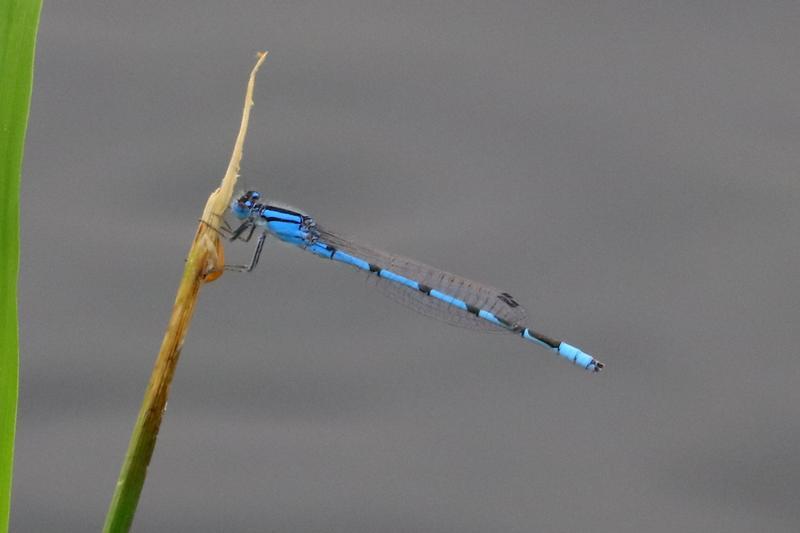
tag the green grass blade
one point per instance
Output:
(19, 20)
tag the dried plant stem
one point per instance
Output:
(203, 264)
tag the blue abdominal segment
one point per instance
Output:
(391, 276)
(579, 357)
(455, 302)
(350, 260)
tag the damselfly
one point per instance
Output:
(424, 288)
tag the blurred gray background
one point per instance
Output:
(628, 170)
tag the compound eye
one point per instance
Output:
(255, 195)
(248, 203)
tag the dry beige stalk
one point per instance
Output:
(204, 263)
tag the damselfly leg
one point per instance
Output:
(256, 254)
(227, 232)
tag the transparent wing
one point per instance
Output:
(475, 294)
(431, 307)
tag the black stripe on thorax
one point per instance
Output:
(277, 219)
(282, 210)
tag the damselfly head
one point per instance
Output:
(243, 206)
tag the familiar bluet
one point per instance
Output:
(426, 289)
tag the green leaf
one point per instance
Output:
(19, 20)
